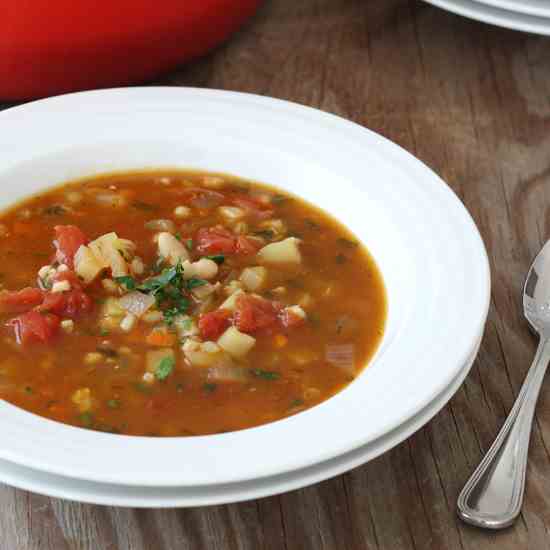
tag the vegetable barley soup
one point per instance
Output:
(180, 303)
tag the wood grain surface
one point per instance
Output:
(471, 101)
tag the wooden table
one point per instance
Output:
(471, 101)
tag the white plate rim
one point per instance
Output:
(495, 15)
(49, 459)
(56, 486)
(534, 8)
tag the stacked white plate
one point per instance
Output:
(429, 251)
(524, 15)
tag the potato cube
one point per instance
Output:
(236, 343)
(284, 252)
(254, 278)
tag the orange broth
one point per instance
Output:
(92, 373)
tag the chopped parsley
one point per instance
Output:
(113, 404)
(145, 206)
(194, 283)
(86, 419)
(209, 387)
(142, 387)
(28, 390)
(347, 243)
(186, 324)
(265, 374)
(107, 351)
(55, 210)
(218, 258)
(167, 289)
(172, 275)
(164, 368)
(127, 281)
(312, 224)
(170, 314)
(340, 259)
(265, 233)
(189, 244)
(279, 199)
(296, 403)
(103, 332)
(314, 319)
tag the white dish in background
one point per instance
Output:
(169, 497)
(489, 12)
(536, 8)
(429, 251)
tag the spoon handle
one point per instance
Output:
(493, 495)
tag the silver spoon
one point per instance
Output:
(493, 495)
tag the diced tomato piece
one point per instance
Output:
(213, 324)
(253, 207)
(54, 302)
(215, 240)
(253, 313)
(204, 198)
(72, 304)
(18, 301)
(35, 327)
(289, 319)
(77, 303)
(247, 246)
(68, 239)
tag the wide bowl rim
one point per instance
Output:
(436, 200)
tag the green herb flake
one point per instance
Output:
(209, 387)
(86, 419)
(314, 319)
(127, 281)
(28, 390)
(194, 283)
(265, 374)
(145, 206)
(170, 314)
(113, 404)
(103, 332)
(108, 352)
(142, 387)
(340, 259)
(164, 368)
(296, 403)
(218, 258)
(265, 233)
(189, 244)
(187, 324)
(55, 210)
(310, 224)
(157, 266)
(347, 243)
(280, 199)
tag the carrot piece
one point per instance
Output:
(280, 340)
(161, 338)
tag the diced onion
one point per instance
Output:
(136, 302)
(227, 373)
(341, 356)
(111, 199)
(161, 225)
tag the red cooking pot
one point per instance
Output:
(53, 46)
